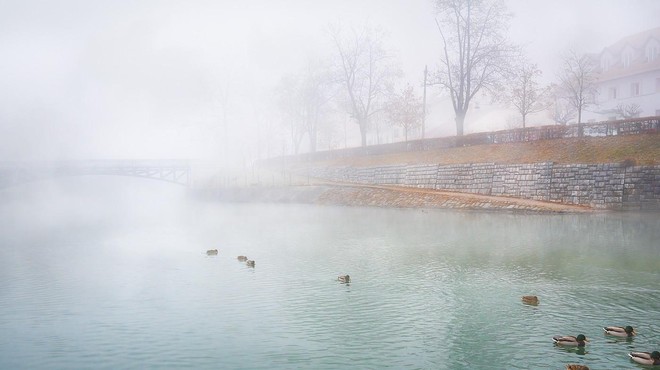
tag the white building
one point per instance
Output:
(629, 78)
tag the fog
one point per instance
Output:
(101, 266)
(196, 79)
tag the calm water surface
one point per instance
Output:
(112, 273)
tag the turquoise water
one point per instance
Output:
(112, 273)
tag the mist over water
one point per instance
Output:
(112, 273)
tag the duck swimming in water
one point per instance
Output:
(344, 279)
(212, 252)
(530, 299)
(646, 358)
(620, 331)
(242, 258)
(249, 263)
(569, 340)
(576, 367)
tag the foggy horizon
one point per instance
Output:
(145, 80)
(154, 213)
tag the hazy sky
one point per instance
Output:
(99, 79)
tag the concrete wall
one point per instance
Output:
(605, 186)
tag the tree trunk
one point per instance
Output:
(296, 146)
(312, 140)
(363, 131)
(524, 116)
(580, 128)
(378, 134)
(460, 119)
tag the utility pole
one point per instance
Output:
(426, 71)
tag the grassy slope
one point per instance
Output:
(643, 149)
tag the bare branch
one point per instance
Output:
(525, 93)
(475, 51)
(364, 71)
(578, 80)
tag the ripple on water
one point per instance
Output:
(426, 292)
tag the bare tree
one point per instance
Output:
(476, 54)
(365, 70)
(526, 95)
(378, 123)
(578, 80)
(405, 110)
(561, 112)
(303, 99)
(329, 131)
(558, 107)
(316, 92)
(288, 99)
(628, 110)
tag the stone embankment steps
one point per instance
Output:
(344, 194)
(614, 186)
(618, 171)
(406, 197)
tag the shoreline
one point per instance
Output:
(358, 195)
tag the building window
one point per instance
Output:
(634, 89)
(651, 53)
(627, 58)
(605, 64)
(612, 93)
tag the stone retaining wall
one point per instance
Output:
(605, 186)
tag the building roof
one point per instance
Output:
(637, 41)
(638, 64)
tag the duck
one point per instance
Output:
(530, 299)
(620, 331)
(646, 358)
(344, 279)
(212, 252)
(569, 340)
(249, 263)
(242, 258)
(576, 367)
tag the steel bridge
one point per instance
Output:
(173, 170)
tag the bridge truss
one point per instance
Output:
(173, 171)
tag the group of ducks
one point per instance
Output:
(248, 262)
(644, 358)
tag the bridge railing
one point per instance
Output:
(183, 163)
(174, 171)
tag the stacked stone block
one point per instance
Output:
(446, 177)
(505, 180)
(478, 178)
(641, 188)
(421, 176)
(390, 175)
(607, 186)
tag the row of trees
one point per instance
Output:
(477, 58)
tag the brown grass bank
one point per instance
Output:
(636, 149)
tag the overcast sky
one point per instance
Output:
(127, 79)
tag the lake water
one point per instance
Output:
(111, 273)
